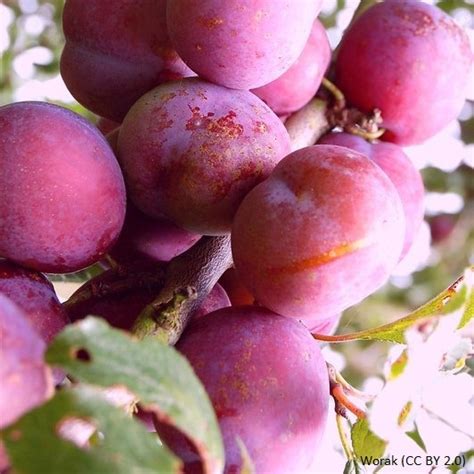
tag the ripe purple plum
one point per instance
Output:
(26, 380)
(216, 299)
(241, 45)
(401, 171)
(324, 231)
(63, 195)
(120, 309)
(274, 397)
(297, 86)
(116, 51)
(35, 295)
(323, 326)
(191, 150)
(107, 126)
(232, 284)
(146, 239)
(388, 60)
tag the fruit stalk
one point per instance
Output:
(188, 280)
(308, 125)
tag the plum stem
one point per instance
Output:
(308, 125)
(341, 400)
(343, 437)
(340, 100)
(432, 308)
(112, 263)
(129, 281)
(350, 390)
(188, 280)
(350, 119)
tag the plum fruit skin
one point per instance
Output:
(236, 291)
(191, 150)
(116, 51)
(106, 125)
(324, 231)
(35, 295)
(297, 86)
(63, 194)
(386, 61)
(26, 380)
(147, 239)
(401, 171)
(326, 326)
(214, 301)
(274, 397)
(240, 44)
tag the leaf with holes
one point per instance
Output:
(78, 431)
(160, 378)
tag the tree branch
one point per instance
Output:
(189, 279)
(308, 125)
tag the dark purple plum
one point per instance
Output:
(410, 60)
(62, 193)
(35, 295)
(26, 379)
(116, 50)
(401, 171)
(235, 289)
(297, 86)
(145, 238)
(191, 150)
(323, 232)
(268, 383)
(240, 44)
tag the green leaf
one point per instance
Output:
(450, 5)
(467, 456)
(162, 379)
(447, 301)
(456, 302)
(365, 443)
(45, 440)
(468, 313)
(416, 437)
(353, 467)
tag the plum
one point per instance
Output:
(116, 51)
(297, 86)
(273, 397)
(324, 231)
(63, 194)
(410, 60)
(191, 150)
(401, 171)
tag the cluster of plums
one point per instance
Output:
(193, 96)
